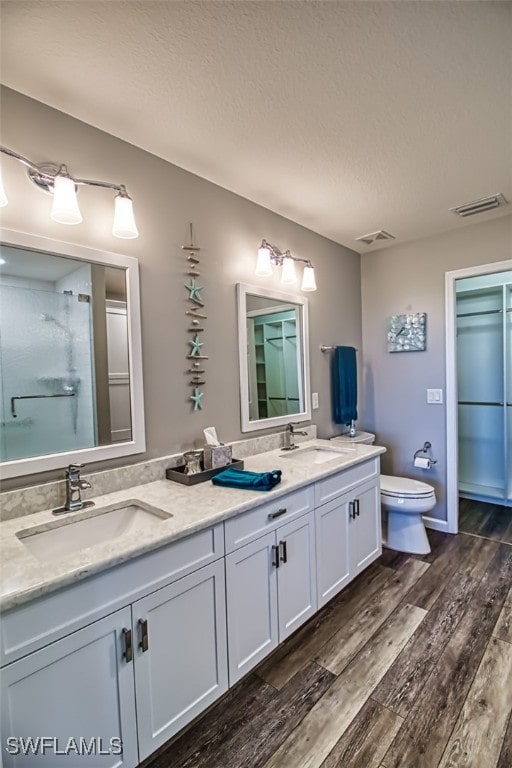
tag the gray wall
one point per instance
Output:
(410, 278)
(229, 230)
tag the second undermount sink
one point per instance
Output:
(316, 454)
(86, 529)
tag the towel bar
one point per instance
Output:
(325, 348)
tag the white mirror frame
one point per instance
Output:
(251, 425)
(137, 444)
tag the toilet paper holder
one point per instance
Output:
(422, 457)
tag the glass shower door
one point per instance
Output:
(47, 407)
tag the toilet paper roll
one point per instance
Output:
(422, 463)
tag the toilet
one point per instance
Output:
(406, 500)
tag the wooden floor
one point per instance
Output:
(492, 521)
(409, 667)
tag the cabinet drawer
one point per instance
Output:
(250, 525)
(333, 486)
(34, 625)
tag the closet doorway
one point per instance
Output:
(479, 387)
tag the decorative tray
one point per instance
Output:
(178, 475)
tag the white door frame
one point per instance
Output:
(452, 493)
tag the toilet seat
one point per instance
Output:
(404, 488)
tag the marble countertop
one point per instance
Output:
(24, 577)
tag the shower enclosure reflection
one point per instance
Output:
(47, 371)
(64, 357)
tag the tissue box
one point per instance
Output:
(217, 456)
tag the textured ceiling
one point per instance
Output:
(347, 117)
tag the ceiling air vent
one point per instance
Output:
(480, 206)
(375, 237)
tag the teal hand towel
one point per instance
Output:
(252, 481)
(344, 385)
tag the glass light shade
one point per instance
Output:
(124, 221)
(65, 208)
(288, 274)
(3, 196)
(308, 279)
(263, 264)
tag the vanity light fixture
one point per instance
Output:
(56, 180)
(269, 256)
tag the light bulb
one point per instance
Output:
(65, 208)
(124, 221)
(3, 196)
(288, 274)
(263, 264)
(308, 279)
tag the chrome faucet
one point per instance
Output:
(74, 486)
(289, 433)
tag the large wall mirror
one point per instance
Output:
(274, 358)
(70, 355)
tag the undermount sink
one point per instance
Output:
(96, 526)
(316, 454)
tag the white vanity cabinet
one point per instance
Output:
(139, 673)
(364, 526)
(348, 526)
(132, 654)
(271, 580)
(180, 654)
(80, 687)
(332, 548)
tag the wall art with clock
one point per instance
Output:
(407, 333)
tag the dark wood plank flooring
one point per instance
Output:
(493, 521)
(409, 667)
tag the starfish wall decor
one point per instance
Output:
(197, 397)
(195, 300)
(194, 292)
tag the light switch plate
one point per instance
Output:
(314, 400)
(435, 396)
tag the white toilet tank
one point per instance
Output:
(360, 437)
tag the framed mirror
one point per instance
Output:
(70, 355)
(274, 358)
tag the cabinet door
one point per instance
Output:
(77, 695)
(251, 585)
(332, 548)
(180, 654)
(296, 574)
(365, 540)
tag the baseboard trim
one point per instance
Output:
(437, 525)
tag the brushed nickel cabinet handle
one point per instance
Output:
(128, 648)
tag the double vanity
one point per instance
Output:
(126, 620)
